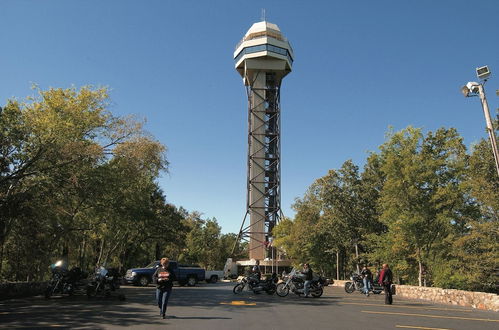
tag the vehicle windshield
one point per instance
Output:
(152, 264)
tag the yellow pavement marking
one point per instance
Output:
(433, 316)
(238, 303)
(416, 327)
(413, 307)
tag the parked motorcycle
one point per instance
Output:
(356, 283)
(295, 282)
(253, 283)
(65, 281)
(103, 282)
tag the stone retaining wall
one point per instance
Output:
(479, 300)
(11, 290)
(339, 283)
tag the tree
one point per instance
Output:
(422, 196)
(77, 179)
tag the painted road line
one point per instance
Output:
(416, 327)
(419, 302)
(413, 307)
(433, 316)
(238, 303)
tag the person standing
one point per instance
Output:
(385, 279)
(367, 277)
(309, 275)
(256, 270)
(163, 277)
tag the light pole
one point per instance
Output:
(474, 89)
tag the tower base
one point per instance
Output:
(233, 269)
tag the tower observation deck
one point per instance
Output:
(263, 58)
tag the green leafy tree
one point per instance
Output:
(422, 195)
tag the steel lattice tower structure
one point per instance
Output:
(263, 58)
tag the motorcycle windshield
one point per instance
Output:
(102, 271)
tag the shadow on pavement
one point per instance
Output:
(139, 309)
(74, 312)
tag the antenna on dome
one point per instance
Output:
(263, 15)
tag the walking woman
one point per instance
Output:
(163, 277)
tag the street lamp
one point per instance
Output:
(476, 89)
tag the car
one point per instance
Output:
(213, 276)
(184, 274)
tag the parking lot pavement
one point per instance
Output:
(214, 306)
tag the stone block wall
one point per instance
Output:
(479, 300)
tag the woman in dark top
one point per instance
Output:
(163, 277)
(385, 279)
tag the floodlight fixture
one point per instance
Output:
(470, 89)
(477, 89)
(483, 72)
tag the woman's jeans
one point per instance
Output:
(162, 296)
(306, 287)
(367, 285)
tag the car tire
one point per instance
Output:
(191, 281)
(143, 281)
(213, 279)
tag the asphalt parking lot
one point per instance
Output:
(214, 306)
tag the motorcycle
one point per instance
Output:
(295, 282)
(103, 282)
(356, 283)
(253, 283)
(65, 281)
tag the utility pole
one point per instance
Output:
(490, 127)
(473, 89)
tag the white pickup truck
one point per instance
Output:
(213, 276)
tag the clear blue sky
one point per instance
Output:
(360, 67)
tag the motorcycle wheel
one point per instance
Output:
(238, 288)
(91, 291)
(48, 292)
(317, 292)
(349, 287)
(282, 290)
(271, 291)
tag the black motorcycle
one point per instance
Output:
(103, 282)
(253, 283)
(356, 283)
(295, 282)
(65, 281)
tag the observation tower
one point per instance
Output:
(263, 58)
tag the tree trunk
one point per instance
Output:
(1, 256)
(82, 253)
(100, 253)
(420, 275)
(338, 265)
(157, 252)
(357, 257)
